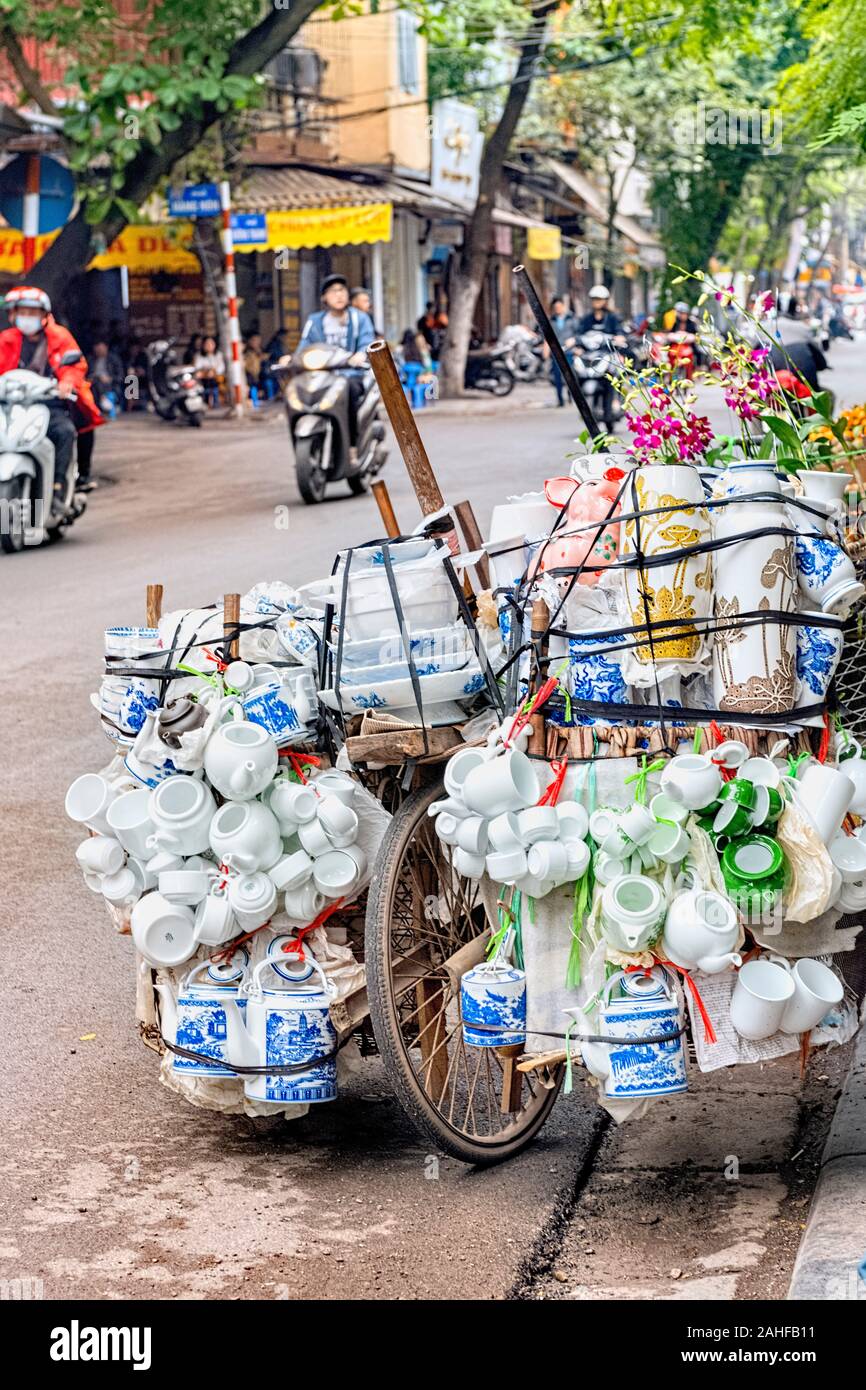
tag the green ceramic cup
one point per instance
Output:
(732, 820)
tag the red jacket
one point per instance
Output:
(86, 412)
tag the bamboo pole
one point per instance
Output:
(574, 387)
(409, 441)
(540, 624)
(472, 536)
(153, 605)
(386, 509)
(231, 622)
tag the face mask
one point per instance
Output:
(28, 324)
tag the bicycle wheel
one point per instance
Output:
(425, 928)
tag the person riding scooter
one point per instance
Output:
(602, 319)
(36, 342)
(340, 325)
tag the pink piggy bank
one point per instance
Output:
(587, 502)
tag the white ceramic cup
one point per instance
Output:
(817, 989)
(332, 782)
(825, 794)
(669, 843)
(761, 772)
(731, 753)
(123, 888)
(760, 996)
(304, 904)
(214, 921)
(445, 826)
(538, 823)
(314, 838)
(504, 832)
(181, 809)
(578, 858)
(472, 836)
(467, 864)
(239, 675)
(336, 874)
(602, 822)
(88, 801)
(573, 820)
(339, 821)
(102, 854)
(253, 900)
(246, 836)
(184, 885)
(292, 871)
(504, 783)
(163, 932)
(848, 853)
(664, 807)
(458, 767)
(129, 819)
(548, 859)
(607, 867)
(292, 803)
(506, 866)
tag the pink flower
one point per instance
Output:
(765, 302)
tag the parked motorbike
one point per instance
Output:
(524, 355)
(488, 370)
(27, 462)
(317, 407)
(174, 389)
(595, 360)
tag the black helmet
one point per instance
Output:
(330, 280)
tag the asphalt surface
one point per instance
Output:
(110, 1186)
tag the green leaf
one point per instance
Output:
(784, 431)
(823, 403)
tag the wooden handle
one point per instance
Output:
(386, 510)
(409, 442)
(472, 536)
(231, 622)
(540, 624)
(153, 605)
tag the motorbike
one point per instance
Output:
(316, 397)
(596, 359)
(175, 390)
(524, 356)
(487, 370)
(27, 462)
(677, 350)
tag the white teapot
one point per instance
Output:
(700, 931)
(240, 760)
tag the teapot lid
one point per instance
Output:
(225, 972)
(288, 966)
(175, 710)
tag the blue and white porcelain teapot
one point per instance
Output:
(197, 1021)
(646, 1007)
(287, 1024)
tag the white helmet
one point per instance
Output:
(599, 292)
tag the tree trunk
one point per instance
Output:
(466, 283)
(69, 254)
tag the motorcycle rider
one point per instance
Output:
(36, 342)
(340, 325)
(602, 319)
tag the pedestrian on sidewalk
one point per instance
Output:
(565, 328)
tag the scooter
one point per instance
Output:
(317, 407)
(174, 390)
(524, 356)
(27, 462)
(487, 370)
(595, 361)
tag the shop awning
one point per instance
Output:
(294, 228)
(595, 204)
(140, 248)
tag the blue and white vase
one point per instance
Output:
(818, 653)
(646, 1006)
(826, 574)
(597, 676)
(493, 1005)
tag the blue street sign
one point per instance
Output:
(249, 228)
(56, 192)
(196, 200)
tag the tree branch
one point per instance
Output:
(70, 253)
(27, 76)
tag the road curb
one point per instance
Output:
(834, 1243)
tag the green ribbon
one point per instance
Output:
(794, 763)
(582, 894)
(640, 777)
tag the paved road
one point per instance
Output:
(111, 1186)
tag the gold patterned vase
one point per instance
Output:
(669, 500)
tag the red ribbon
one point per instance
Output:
(295, 947)
(522, 718)
(709, 1031)
(298, 760)
(824, 748)
(550, 795)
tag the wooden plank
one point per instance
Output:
(386, 509)
(430, 994)
(512, 1078)
(398, 745)
(409, 441)
(473, 538)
